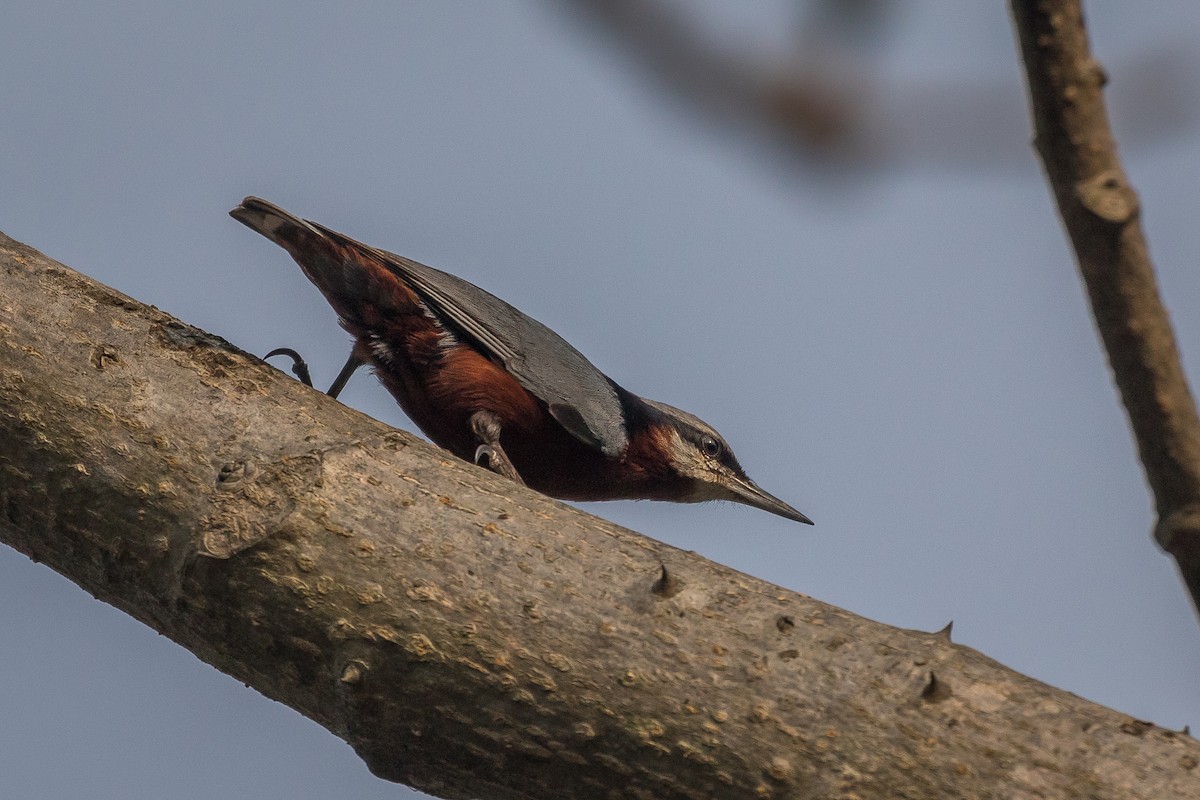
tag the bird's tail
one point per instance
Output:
(323, 258)
(286, 230)
(353, 277)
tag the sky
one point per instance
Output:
(902, 350)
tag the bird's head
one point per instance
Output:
(701, 456)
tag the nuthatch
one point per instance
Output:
(500, 389)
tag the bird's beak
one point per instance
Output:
(746, 491)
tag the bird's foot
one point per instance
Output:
(489, 454)
(493, 458)
(299, 366)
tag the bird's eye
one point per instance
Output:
(710, 447)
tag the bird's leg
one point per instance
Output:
(489, 455)
(300, 369)
(339, 383)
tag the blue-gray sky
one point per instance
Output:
(904, 353)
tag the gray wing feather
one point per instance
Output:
(578, 395)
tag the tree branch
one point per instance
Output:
(467, 636)
(816, 105)
(826, 97)
(1101, 214)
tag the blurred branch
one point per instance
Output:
(814, 106)
(1100, 211)
(827, 100)
(465, 635)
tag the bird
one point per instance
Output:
(498, 388)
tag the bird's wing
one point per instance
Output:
(578, 395)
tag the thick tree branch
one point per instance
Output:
(1100, 212)
(465, 635)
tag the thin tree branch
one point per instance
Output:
(1100, 211)
(465, 635)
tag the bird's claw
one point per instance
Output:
(494, 459)
(300, 369)
(490, 455)
(299, 366)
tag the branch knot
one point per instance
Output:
(1109, 197)
(1179, 531)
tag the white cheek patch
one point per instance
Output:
(690, 463)
(687, 459)
(682, 456)
(703, 491)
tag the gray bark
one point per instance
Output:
(469, 637)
